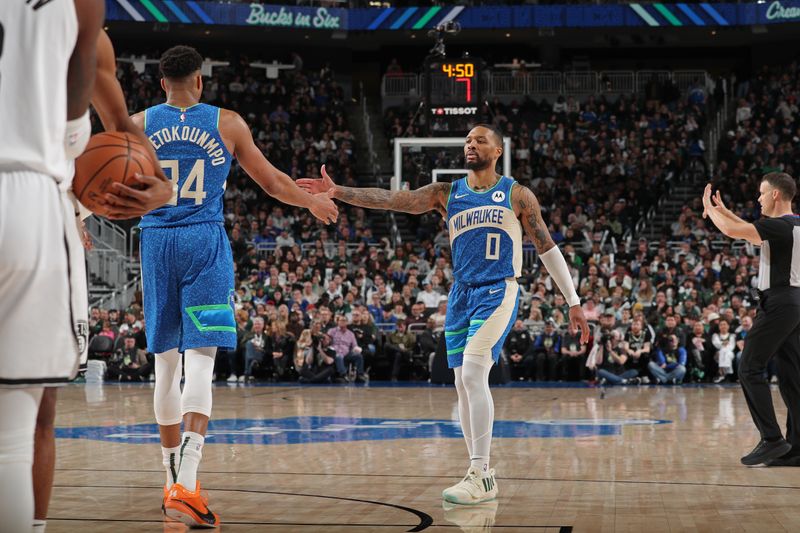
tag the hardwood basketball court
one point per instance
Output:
(346, 458)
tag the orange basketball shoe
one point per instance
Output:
(191, 508)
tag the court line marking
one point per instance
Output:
(561, 529)
(557, 480)
(425, 520)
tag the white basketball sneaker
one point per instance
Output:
(474, 488)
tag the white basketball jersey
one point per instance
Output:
(37, 38)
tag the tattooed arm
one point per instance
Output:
(428, 198)
(530, 214)
(526, 206)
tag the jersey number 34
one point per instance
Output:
(196, 177)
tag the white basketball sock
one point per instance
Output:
(463, 410)
(18, 411)
(191, 453)
(475, 376)
(39, 526)
(170, 458)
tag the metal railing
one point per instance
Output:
(581, 82)
(616, 81)
(118, 298)
(109, 233)
(572, 83)
(506, 83)
(401, 85)
(546, 82)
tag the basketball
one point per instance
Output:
(108, 158)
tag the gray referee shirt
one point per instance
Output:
(780, 252)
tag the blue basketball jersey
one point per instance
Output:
(192, 154)
(485, 235)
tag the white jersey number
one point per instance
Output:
(493, 246)
(196, 177)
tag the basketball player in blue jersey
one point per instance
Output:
(485, 214)
(187, 264)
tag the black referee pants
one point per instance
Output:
(775, 332)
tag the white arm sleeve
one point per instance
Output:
(559, 271)
(77, 135)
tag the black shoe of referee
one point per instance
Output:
(789, 459)
(766, 450)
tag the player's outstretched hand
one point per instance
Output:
(707, 200)
(578, 321)
(125, 202)
(316, 186)
(324, 209)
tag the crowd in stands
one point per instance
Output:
(326, 304)
(595, 166)
(661, 315)
(765, 136)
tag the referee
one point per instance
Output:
(776, 330)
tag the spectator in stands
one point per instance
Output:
(416, 320)
(547, 352)
(282, 347)
(698, 350)
(255, 348)
(129, 363)
(612, 370)
(573, 355)
(440, 315)
(636, 346)
(724, 343)
(398, 348)
(519, 350)
(669, 364)
(428, 297)
(364, 330)
(106, 330)
(344, 343)
(320, 364)
(428, 341)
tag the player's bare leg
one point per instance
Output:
(44, 457)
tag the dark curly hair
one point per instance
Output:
(180, 62)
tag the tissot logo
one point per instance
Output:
(454, 110)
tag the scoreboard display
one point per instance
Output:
(453, 87)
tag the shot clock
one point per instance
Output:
(453, 87)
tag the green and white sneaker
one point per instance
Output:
(474, 488)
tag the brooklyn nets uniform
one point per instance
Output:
(40, 249)
(486, 241)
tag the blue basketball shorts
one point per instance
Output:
(187, 278)
(479, 318)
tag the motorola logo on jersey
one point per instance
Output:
(498, 196)
(311, 429)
